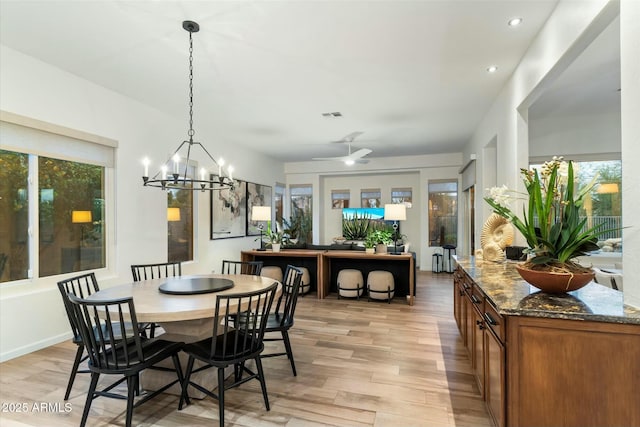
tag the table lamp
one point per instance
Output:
(81, 217)
(395, 213)
(261, 213)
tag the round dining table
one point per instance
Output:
(184, 317)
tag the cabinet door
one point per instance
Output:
(469, 324)
(494, 377)
(477, 350)
(458, 294)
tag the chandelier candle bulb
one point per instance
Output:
(176, 163)
(145, 163)
(230, 169)
(164, 172)
(203, 174)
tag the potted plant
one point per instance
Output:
(381, 237)
(552, 226)
(274, 237)
(369, 244)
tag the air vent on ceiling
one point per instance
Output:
(334, 114)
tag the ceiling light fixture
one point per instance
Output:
(210, 179)
(514, 22)
(492, 69)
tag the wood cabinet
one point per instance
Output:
(468, 310)
(494, 366)
(538, 368)
(477, 340)
(481, 329)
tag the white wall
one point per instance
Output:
(31, 311)
(582, 134)
(570, 28)
(630, 63)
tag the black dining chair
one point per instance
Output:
(232, 346)
(281, 319)
(122, 351)
(82, 286)
(154, 271)
(242, 267)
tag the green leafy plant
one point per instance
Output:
(560, 234)
(369, 241)
(381, 236)
(273, 235)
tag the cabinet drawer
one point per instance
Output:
(494, 321)
(477, 298)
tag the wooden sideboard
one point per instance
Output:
(325, 264)
(548, 360)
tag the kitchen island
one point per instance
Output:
(548, 360)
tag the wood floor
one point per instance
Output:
(359, 364)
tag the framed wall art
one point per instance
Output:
(257, 195)
(229, 211)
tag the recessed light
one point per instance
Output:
(492, 69)
(514, 22)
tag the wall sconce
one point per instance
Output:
(395, 213)
(261, 213)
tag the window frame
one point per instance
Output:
(95, 146)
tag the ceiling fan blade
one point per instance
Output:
(339, 159)
(359, 154)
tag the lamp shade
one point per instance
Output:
(395, 212)
(81, 217)
(261, 213)
(173, 214)
(608, 188)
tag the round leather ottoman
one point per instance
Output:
(305, 283)
(273, 272)
(380, 285)
(350, 283)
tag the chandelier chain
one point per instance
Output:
(191, 131)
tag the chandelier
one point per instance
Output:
(174, 173)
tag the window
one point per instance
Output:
(301, 210)
(340, 199)
(52, 200)
(278, 202)
(604, 203)
(14, 216)
(70, 212)
(443, 213)
(370, 198)
(402, 195)
(180, 225)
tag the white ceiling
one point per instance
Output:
(411, 75)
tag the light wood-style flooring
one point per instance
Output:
(359, 364)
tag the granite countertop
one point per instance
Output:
(512, 296)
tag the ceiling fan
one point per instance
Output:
(350, 158)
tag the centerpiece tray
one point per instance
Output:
(195, 285)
